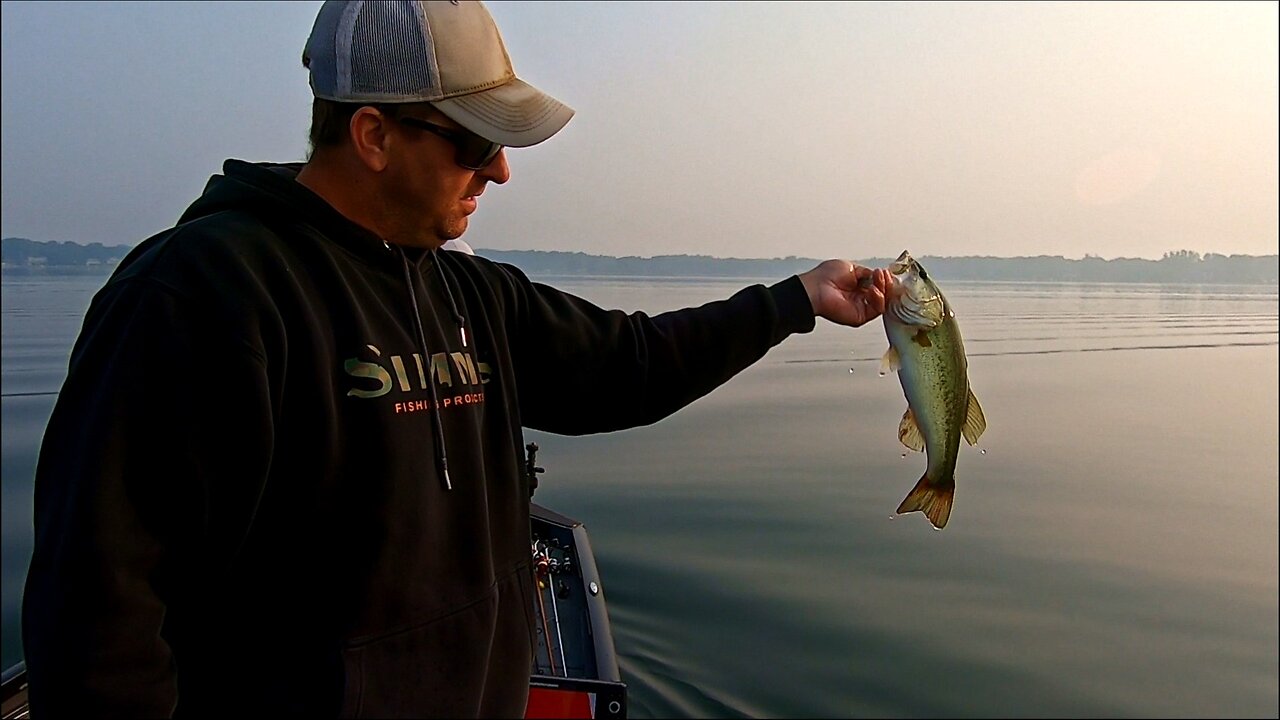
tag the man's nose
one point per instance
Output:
(497, 171)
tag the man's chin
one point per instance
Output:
(453, 230)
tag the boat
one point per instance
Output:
(575, 668)
(13, 696)
(574, 673)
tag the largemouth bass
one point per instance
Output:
(926, 351)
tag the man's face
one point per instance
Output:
(428, 195)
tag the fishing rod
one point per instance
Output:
(547, 567)
(552, 567)
(540, 570)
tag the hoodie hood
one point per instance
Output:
(272, 193)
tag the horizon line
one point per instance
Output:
(1087, 255)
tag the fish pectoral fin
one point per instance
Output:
(932, 500)
(975, 423)
(909, 431)
(921, 338)
(890, 362)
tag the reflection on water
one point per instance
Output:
(1114, 553)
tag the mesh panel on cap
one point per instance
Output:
(388, 51)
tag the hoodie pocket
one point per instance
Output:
(473, 661)
(435, 669)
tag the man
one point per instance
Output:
(284, 472)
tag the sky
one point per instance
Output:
(752, 130)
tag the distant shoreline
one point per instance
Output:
(24, 257)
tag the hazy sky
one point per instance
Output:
(728, 129)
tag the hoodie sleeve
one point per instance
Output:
(582, 369)
(162, 424)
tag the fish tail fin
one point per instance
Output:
(934, 500)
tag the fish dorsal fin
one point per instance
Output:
(890, 362)
(974, 422)
(909, 431)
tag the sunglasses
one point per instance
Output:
(473, 151)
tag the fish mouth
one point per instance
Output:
(902, 265)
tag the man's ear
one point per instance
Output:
(371, 137)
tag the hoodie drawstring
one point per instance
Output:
(448, 293)
(442, 455)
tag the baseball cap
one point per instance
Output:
(445, 52)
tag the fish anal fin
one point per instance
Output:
(975, 423)
(909, 431)
(890, 362)
(931, 499)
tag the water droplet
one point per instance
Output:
(984, 451)
(904, 455)
(850, 369)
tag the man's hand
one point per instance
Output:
(845, 292)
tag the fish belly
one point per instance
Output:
(936, 386)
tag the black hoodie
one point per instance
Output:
(240, 498)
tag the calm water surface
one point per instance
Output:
(1113, 552)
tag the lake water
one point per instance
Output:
(1113, 553)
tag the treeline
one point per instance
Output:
(23, 252)
(542, 262)
(1182, 266)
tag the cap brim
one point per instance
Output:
(515, 114)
